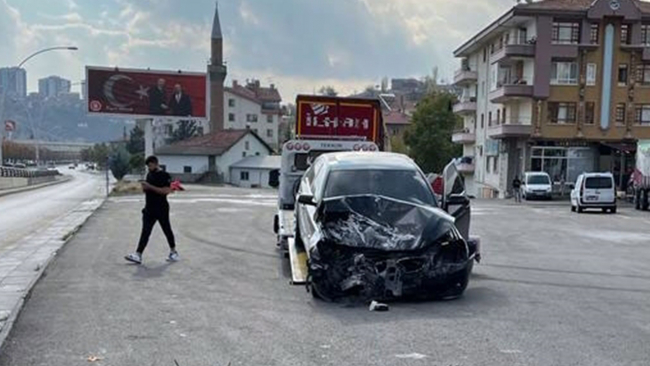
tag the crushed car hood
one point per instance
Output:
(382, 223)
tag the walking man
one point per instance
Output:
(516, 187)
(156, 188)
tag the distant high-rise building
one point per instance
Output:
(13, 81)
(53, 86)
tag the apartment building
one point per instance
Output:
(561, 86)
(254, 107)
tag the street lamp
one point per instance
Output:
(4, 93)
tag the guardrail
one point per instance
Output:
(26, 173)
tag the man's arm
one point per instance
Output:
(163, 191)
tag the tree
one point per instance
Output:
(398, 145)
(119, 163)
(184, 131)
(136, 162)
(429, 137)
(328, 91)
(431, 81)
(135, 144)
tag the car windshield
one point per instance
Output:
(405, 185)
(598, 182)
(538, 179)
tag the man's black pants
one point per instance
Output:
(149, 219)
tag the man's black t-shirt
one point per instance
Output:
(155, 202)
(516, 183)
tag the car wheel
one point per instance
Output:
(613, 210)
(573, 208)
(580, 209)
(604, 210)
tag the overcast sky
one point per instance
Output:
(299, 45)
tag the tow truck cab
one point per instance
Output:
(297, 156)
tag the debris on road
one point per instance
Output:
(94, 359)
(378, 306)
(413, 356)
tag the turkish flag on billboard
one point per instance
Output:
(146, 93)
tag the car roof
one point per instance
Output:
(361, 160)
(536, 173)
(598, 174)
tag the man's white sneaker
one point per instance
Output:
(134, 257)
(173, 256)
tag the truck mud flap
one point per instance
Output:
(298, 263)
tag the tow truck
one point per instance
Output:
(323, 125)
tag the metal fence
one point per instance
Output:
(26, 173)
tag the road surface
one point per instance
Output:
(23, 213)
(555, 288)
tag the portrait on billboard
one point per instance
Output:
(146, 93)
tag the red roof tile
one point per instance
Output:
(576, 5)
(211, 144)
(396, 118)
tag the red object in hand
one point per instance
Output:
(437, 185)
(176, 186)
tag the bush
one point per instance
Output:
(120, 163)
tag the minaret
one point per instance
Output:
(217, 73)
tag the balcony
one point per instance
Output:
(507, 91)
(465, 165)
(510, 53)
(465, 106)
(464, 136)
(465, 76)
(510, 130)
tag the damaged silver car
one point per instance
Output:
(372, 229)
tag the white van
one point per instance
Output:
(536, 185)
(594, 190)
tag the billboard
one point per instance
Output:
(145, 93)
(332, 117)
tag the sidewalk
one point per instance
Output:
(23, 263)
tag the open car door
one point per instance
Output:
(454, 199)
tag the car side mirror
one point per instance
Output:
(457, 200)
(306, 199)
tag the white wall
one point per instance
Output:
(256, 177)
(236, 153)
(174, 163)
(245, 107)
(529, 71)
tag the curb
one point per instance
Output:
(66, 178)
(5, 329)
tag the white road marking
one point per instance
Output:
(510, 351)
(413, 356)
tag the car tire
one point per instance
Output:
(580, 209)
(612, 210)
(573, 208)
(604, 210)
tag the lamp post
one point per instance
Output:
(4, 93)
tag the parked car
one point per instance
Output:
(594, 190)
(373, 229)
(536, 185)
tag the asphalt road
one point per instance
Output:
(23, 213)
(555, 288)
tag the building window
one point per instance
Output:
(645, 33)
(498, 116)
(589, 113)
(643, 74)
(489, 118)
(620, 113)
(487, 164)
(495, 164)
(231, 117)
(243, 175)
(482, 120)
(566, 32)
(625, 34)
(251, 118)
(503, 115)
(269, 118)
(485, 54)
(269, 133)
(622, 74)
(187, 169)
(243, 154)
(255, 130)
(642, 116)
(247, 145)
(562, 113)
(591, 74)
(593, 33)
(231, 102)
(564, 73)
(169, 130)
